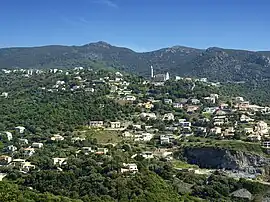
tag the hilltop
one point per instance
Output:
(214, 63)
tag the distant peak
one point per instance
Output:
(210, 49)
(100, 43)
(103, 43)
(177, 47)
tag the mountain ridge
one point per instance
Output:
(214, 63)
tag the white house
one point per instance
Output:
(220, 112)
(148, 115)
(238, 99)
(262, 128)
(9, 135)
(265, 110)
(23, 141)
(177, 105)
(185, 124)
(137, 126)
(75, 88)
(177, 78)
(210, 99)
(243, 105)
(59, 161)
(192, 108)
(116, 124)
(27, 166)
(147, 155)
(164, 139)
(118, 74)
(203, 80)
(57, 138)
(21, 129)
(28, 151)
(78, 77)
(129, 167)
(216, 130)
(130, 98)
(210, 110)
(102, 151)
(118, 79)
(266, 144)
(214, 96)
(74, 139)
(147, 136)
(144, 137)
(17, 162)
(87, 150)
(195, 101)
(127, 134)
(223, 106)
(168, 117)
(245, 118)
(92, 90)
(37, 145)
(4, 160)
(220, 120)
(78, 68)
(4, 94)
(249, 130)
(2, 175)
(11, 148)
(168, 101)
(96, 124)
(60, 83)
(229, 132)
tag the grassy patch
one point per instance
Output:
(184, 165)
(103, 136)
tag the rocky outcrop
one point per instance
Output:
(217, 158)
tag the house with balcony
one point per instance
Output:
(95, 124)
(116, 124)
(129, 167)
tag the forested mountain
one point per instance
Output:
(214, 63)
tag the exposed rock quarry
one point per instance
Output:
(216, 158)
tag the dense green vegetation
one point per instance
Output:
(35, 103)
(12, 192)
(213, 63)
(255, 91)
(87, 179)
(97, 178)
(40, 110)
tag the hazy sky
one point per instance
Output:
(138, 24)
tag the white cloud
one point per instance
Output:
(83, 20)
(134, 47)
(108, 3)
(79, 21)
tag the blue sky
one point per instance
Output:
(142, 25)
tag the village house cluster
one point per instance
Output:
(177, 118)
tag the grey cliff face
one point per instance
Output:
(222, 158)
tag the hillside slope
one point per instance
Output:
(214, 63)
